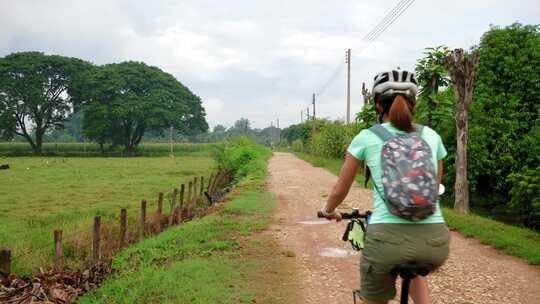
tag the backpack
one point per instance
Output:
(408, 174)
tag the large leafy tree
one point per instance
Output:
(37, 93)
(432, 75)
(506, 111)
(124, 100)
(507, 106)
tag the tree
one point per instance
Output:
(301, 131)
(506, 106)
(462, 69)
(219, 128)
(73, 126)
(122, 101)
(431, 74)
(37, 93)
(242, 125)
(505, 119)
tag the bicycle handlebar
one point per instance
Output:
(354, 214)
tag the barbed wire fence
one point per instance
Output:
(99, 241)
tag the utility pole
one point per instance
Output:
(307, 113)
(302, 116)
(348, 86)
(314, 106)
(277, 122)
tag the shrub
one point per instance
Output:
(298, 145)
(333, 139)
(242, 157)
(525, 196)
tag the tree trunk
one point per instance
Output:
(431, 102)
(130, 149)
(462, 70)
(461, 203)
(39, 141)
(431, 107)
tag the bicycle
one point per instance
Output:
(407, 271)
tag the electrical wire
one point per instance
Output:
(370, 37)
(332, 78)
(399, 6)
(391, 21)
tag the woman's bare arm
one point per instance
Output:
(440, 171)
(343, 185)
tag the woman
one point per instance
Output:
(391, 239)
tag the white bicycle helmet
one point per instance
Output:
(395, 82)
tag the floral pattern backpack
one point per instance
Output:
(408, 174)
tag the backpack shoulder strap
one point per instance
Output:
(381, 132)
(419, 129)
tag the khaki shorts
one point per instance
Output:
(388, 245)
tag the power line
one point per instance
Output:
(379, 32)
(332, 78)
(385, 20)
(370, 37)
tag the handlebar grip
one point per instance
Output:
(348, 216)
(343, 215)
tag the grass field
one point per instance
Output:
(40, 194)
(92, 149)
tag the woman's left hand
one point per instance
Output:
(332, 215)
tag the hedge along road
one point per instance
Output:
(328, 267)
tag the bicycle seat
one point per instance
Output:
(410, 270)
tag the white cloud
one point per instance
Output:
(259, 60)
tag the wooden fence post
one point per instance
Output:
(160, 204)
(5, 262)
(202, 185)
(210, 180)
(181, 203)
(174, 214)
(96, 254)
(143, 217)
(58, 258)
(195, 179)
(160, 211)
(213, 187)
(217, 181)
(123, 228)
(188, 202)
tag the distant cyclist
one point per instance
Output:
(405, 163)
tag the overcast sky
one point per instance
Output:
(260, 60)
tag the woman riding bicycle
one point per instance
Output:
(392, 239)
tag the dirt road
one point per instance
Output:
(328, 268)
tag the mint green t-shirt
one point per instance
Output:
(367, 147)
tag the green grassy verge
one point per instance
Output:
(516, 241)
(41, 194)
(215, 259)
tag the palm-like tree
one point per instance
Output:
(432, 75)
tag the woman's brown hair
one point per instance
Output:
(400, 114)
